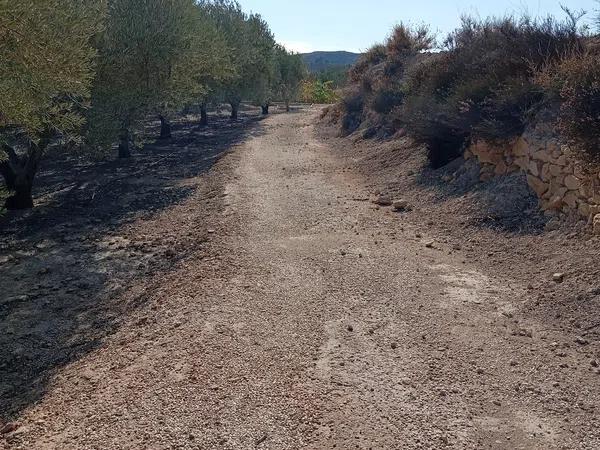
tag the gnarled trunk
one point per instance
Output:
(124, 144)
(287, 106)
(19, 171)
(165, 128)
(235, 106)
(265, 109)
(203, 115)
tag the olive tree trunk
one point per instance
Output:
(165, 128)
(235, 108)
(265, 109)
(19, 172)
(125, 144)
(203, 115)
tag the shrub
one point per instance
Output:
(575, 83)
(316, 91)
(483, 84)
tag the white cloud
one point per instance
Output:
(298, 46)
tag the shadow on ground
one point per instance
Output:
(505, 204)
(64, 264)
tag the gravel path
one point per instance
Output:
(313, 319)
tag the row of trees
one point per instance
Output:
(90, 72)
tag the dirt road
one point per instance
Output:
(312, 319)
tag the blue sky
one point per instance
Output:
(308, 25)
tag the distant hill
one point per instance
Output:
(318, 61)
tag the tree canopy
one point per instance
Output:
(97, 69)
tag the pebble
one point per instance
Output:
(558, 277)
(581, 341)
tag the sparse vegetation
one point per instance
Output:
(483, 83)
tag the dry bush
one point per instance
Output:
(575, 84)
(483, 84)
(377, 77)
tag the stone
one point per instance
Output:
(538, 186)
(562, 160)
(382, 200)
(430, 244)
(534, 169)
(542, 155)
(557, 190)
(486, 153)
(545, 172)
(522, 162)
(584, 209)
(521, 147)
(572, 183)
(570, 199)
(400, 205)
(596, 224)
(581, 340)
(555, 171)
(558, 277)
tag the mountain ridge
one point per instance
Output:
(322, 60)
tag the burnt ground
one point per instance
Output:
(64, 263)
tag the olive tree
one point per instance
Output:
(45, 77)
(291, 71)
(250, 43)
(145, 65)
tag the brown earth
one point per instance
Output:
(277, 308)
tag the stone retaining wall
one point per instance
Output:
(561, 183)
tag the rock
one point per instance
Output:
(350, 328)
(554, 204)
(542, 155)
(597, 224)
(400, 205)
(394, 346)
(594, 363)
(581, 341)
(572, 182)
(382, 200)
(570, 199)
(522, 162)
(558, 277)
(538, 186)
(429, 244)
(555, 170)
(521, 147)
(534, 168)
(9, 427)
